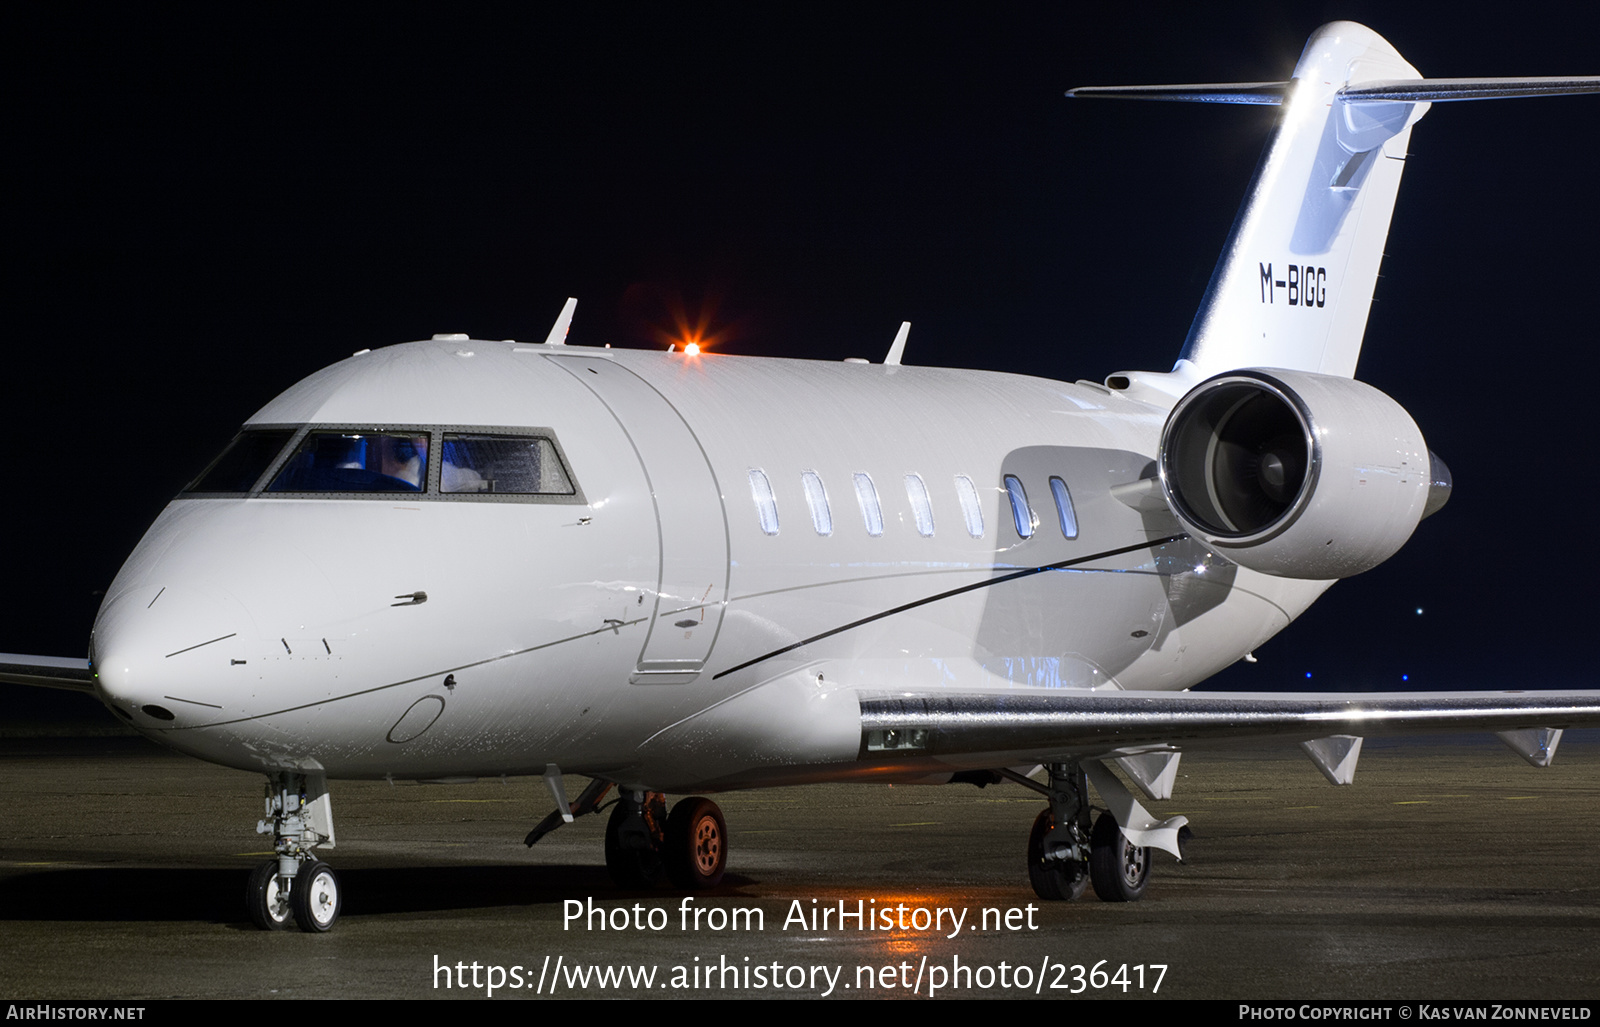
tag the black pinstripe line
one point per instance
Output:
(953, 592)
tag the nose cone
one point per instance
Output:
(162, 654)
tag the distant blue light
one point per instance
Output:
(1308, 673)
(1405, 677)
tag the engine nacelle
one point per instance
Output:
(1295, 474)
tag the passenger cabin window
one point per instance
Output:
(817, 499)
(971, 508)
(766, 503)
(246, 459)
(346, 461)
(921, 509)
(1021, 513)
(871, 512)
(1069, 518)
(502, 465)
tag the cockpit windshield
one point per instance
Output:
(244, 461)
(335, 461)
(518, 465)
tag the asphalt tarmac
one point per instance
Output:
(1449, 870)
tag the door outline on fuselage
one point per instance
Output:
(687, 568)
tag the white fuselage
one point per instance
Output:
(652, 628)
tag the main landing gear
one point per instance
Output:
(295, 887)
(1067, 854)
(645, 846)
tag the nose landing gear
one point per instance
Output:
(295, 886)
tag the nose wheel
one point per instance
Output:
(267, 898)
(315, 897)
(310, 899)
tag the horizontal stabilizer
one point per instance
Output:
(1445, 90)
(1270, 93)
(1425, 90)
(46, 672)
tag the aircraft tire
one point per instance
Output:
(696, 845)
(269, 907)
(1119, 869)
(315, 897)
(1054, 880)
(632, 867)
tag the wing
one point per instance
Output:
(1144, 731)
(47, 672)
(973, 730)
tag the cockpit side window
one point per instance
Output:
(355, 461)
(244, 461)
(502, 465)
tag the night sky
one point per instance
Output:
(207, 204)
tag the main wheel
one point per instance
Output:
(1119, 869)
(697, 845)
(314, 894)
(268, 904)
(634, 839)
(1053, 879)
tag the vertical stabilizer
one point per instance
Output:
(1294, 284)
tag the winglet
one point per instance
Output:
(558, 331)
(897, 349)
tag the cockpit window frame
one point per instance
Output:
(292, 438)
(432, 493)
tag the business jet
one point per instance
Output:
(681, 573)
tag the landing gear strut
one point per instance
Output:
(295, 885)
(1058, 845)
(635, 835)
(1064, 855)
